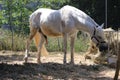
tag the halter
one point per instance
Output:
(96, 38)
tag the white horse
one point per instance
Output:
(64, 22)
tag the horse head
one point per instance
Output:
(99, 39)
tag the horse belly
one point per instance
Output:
(51, 31)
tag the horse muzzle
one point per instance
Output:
(103, 47)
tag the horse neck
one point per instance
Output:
(87, 24)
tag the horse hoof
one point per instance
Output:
(38, 61)
(64, 62)
(25, 59)
(71, 62)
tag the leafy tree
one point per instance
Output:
(16, 12)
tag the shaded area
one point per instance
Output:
(46, 71)
(11, 58)
(13, 68)
(15, 71)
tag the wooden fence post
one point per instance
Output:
(118, 57)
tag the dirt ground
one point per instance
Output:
(51, 68)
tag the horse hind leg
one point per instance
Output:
(42, 40)
(32, 34)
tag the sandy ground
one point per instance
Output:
(12, 67)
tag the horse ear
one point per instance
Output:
(102, 25)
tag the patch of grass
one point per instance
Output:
(54, 44)
(81, 44)
(19, 41)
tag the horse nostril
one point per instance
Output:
(106, 46)
(103, 47)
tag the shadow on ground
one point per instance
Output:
(49, 71)
(11, 58)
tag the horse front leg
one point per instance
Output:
(42, 40)
(72, 49)
(32, 34)
(65, 48)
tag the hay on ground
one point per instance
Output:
(113, 39)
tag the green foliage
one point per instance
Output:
(81, 44)
(16, 12)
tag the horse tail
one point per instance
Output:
(39, 30)
(37, 39)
